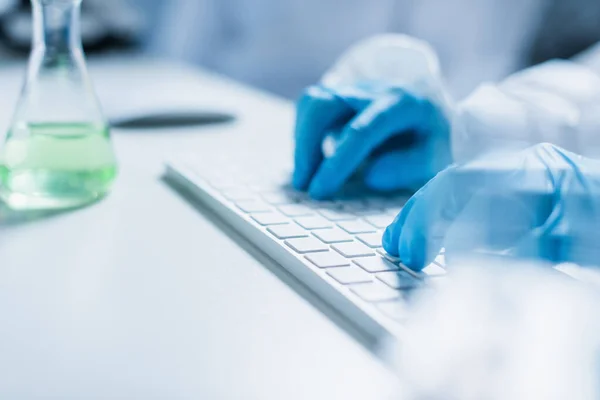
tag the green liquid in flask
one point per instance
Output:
(56, 166)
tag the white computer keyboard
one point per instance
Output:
(333, 247)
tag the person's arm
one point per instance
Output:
(556, 102)
(389, 89)
(542, 202)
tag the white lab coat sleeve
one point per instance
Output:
(556, 102)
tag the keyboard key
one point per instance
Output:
(263, 187)
(433, 270)
(398, 280)
(375, 264)
(278, 198)
(306, 245)
(315, 222)
(325, 204)
(395, 310)
(409, 271)
(353, 205)
(373, 240)
(248, 177)
(238, 194)
(380, 221)
(329, 259)
(388, 256)
(350, 275)
(293, 193)
(295, 210)
(368, 212)
(287, 231)
(335, 235)
(271, 218)
(253, 206)
(222, 184)
(353, 249)
(375, 292)
(357, 226)
(335, 216)
(277, 179)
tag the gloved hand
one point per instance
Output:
(541, 202)
(385, 94)
(373, 114)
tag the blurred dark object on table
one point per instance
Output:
(105, 25)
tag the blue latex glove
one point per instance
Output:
(542, 202)
(368, 115)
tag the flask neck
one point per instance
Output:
(56, 26)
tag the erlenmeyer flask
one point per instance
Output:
(57, 153)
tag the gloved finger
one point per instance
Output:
(407, 168)
(420, 230)
(384, 118)
(392, 232)
(318, 111)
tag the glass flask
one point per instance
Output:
(57, 153)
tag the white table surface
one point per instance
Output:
(143, 296)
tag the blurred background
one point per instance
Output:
(284, 45)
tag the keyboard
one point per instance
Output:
(333, 247)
